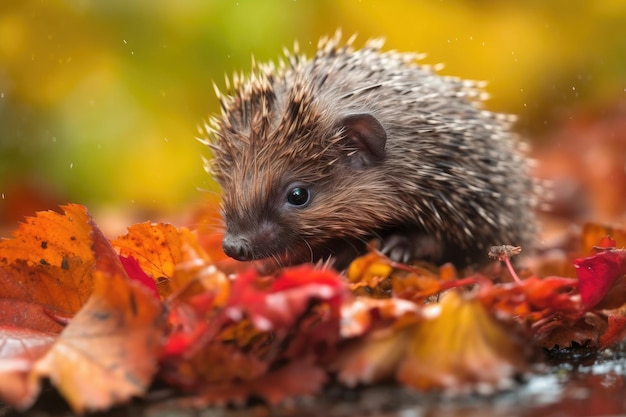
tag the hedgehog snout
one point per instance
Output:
(237, 247)
(251, 244)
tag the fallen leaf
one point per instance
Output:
(113, 341)
(19, 349)
(294, 379)
(134, 272)
(598, 273)
(264, 330)
(46, 268)
(159, 248)
(616, 331)
(375, 357)
(594, 235)
(460, 347)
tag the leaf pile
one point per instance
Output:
(154, 305)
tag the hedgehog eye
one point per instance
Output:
(298, 196)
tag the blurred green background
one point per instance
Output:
(100, 99)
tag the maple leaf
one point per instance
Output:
(45, 275)
(113, 341)
(46, 269)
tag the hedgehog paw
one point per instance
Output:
(405, 247)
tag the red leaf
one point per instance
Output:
(134, 271)
(597, 274)
(287, 298)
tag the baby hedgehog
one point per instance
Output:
(318, 156)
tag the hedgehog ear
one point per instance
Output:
(364, 140)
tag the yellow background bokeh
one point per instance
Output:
(100, 99)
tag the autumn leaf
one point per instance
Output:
(134, 272)
(264, 330)
(113, 343)
(595, 235)
(460, 347)
(113, 340)
(286, 298)
(370, 275)
(158, 249)
(20, 348)
(195, 311)
(598, 273)
(615, 332)
(377, 333)
(46, 268)
(300, 377)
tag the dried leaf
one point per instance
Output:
(19, 350)
(281, 304)
(376, 356)
(46, 268)
(295, 379)
(265, 329)
(369, 275)
(462, 348)
(113, 341)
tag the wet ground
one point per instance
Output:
(572, 385)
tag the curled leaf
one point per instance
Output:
(460, 347)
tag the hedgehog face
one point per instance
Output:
(290, 202)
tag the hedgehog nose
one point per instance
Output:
(237, 247)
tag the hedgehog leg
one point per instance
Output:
(412, 245)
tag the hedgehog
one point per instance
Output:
(318, 156)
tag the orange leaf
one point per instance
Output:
(50, 238)
(46, 267)
(462, 348)
(370, 275)
(159, 248)
(112, 343)
(375, 357)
